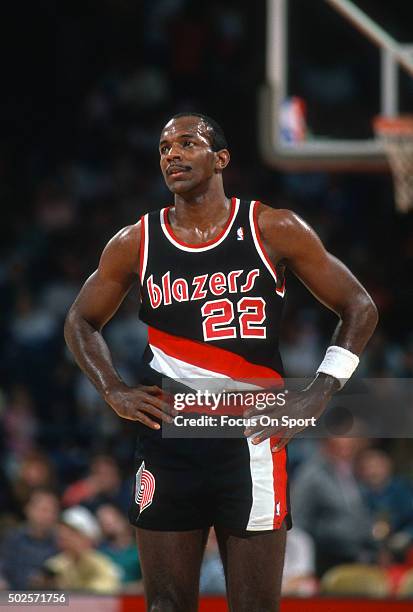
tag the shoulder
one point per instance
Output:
(123, 250)
(312, 471)
(275, 219)
(98, 560)
(126, 238)
(286, 235)
(58, 563)
(14, 537)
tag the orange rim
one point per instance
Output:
(401, 125)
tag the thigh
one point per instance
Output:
(170, 492)
(253, 566)
(171, 562)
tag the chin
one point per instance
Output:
(180, 188)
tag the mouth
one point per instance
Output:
(177, 171)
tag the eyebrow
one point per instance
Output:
(180, 136)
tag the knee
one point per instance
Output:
(258, 604)
(169, 602)
(163, 603)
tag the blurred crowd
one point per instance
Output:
(84, 172)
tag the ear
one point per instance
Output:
(222, 158)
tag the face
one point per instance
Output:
(375, 468)
(43, 510)
(35, 473)
(106, 473)
(111, 521)
(71, 541)
(344, 449)
(187, 160)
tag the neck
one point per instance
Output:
(202, 209)
(36, 531)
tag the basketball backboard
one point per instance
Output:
(332, 66)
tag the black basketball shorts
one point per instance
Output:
(184, 484)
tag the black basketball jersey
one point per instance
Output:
(213, 309)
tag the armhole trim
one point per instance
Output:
(143, 255)
(260, 246)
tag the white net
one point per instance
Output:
(396, 135)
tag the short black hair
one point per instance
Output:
(218, 140)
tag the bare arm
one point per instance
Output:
(290, 241)
(97, 302)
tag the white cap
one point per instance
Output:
(83, 521)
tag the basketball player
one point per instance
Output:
(210, 270)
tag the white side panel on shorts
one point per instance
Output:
(263, 499)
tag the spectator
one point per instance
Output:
(104, 484)
(36, 471)
(19, 423)
(119, 545)
(329, 506)
(299, 567)
(79, 567)
(212, 579)
(388, 497)
(25, 549)
(394, 558)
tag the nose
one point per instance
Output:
(174, 152)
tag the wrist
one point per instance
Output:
(114, 389)
(339, 363)
(325, 384)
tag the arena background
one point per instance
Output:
(86, 89)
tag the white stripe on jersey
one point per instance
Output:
(184, 372)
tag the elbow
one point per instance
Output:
(370, 311)
(69, 325)
(77, 324)
(374, 314)
(364, 310)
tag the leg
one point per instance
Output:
(253, 566)
(171, 562)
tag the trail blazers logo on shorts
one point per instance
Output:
(144, 487)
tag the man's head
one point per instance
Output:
(78, 530)
(343, 449)
(193, 152)
(42, 510)
(105, 473)
(112, 522)
(375, 468)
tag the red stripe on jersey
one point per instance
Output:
(202, 244)
(211, 357)
(142, 247)
(279, 472)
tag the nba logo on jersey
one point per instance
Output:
(277, 509)
(240, 233)
(144, 487)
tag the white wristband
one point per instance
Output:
(340, 363)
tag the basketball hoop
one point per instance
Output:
(396, 136)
